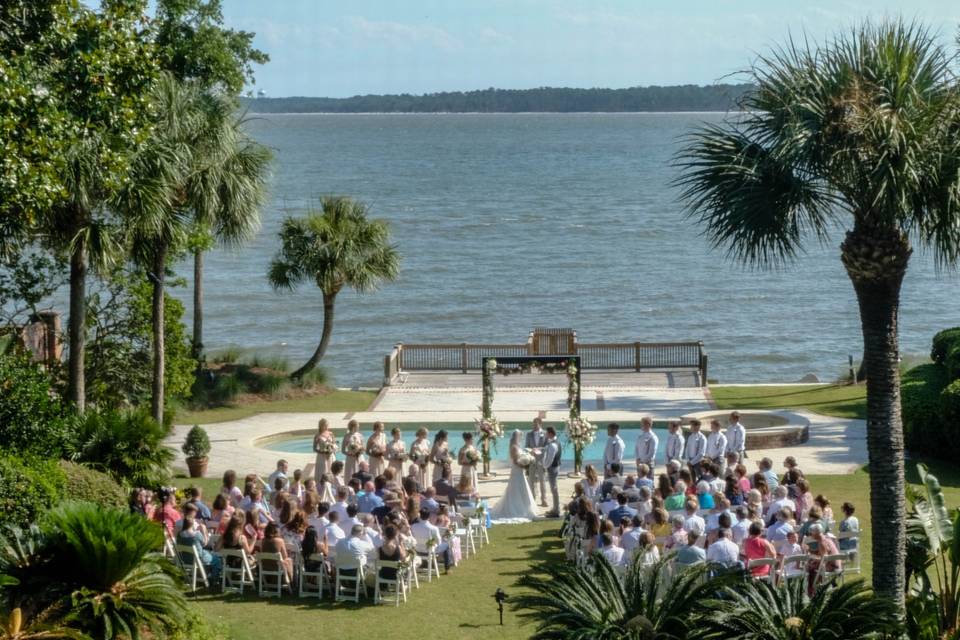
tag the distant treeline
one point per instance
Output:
(717, 97)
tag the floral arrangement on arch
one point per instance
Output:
(489, 428)
(580, 431)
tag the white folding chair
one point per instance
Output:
(213, 540)
(826, 575)
(271, 566)
(168, 547)
(306, 587)
(353, 583)
(237, 570)
(764, 562)
(852, 564)
(191, 565)
(398, 583)
(429, 564)
(792, 567)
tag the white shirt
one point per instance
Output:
(358, 550)
(346, 524)
(724, 551)
(613, 453)
(341, 509)
(646, 447)
(716, 445)
(271, 481)
(674, 449)
(550, 452)
(651, 556)
(776, 505)
(318, 523)
(334, 534)
(693, 524)
(614, 555)
(696, 448)
(630, 540)
(777, 532)
(739, 530)
(607, 506)
(736, 438)
(424, 530)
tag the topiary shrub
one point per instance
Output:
(89, 485)
(943, 342)
(197, 443)
(28, 488)
(920, 390)
(950, 410)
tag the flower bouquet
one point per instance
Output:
(327, 447)
(580, 432)
(442, 458)
(376, 451)
(525, 459)
(399, 456)
(472, 456)
(420, 458)
(354, 448)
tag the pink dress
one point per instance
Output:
(754, 548)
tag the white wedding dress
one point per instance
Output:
(517, 504)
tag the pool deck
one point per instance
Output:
(835, 446)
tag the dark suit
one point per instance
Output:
(447, 490)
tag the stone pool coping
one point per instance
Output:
(795, 430)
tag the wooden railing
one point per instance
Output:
(464, 357)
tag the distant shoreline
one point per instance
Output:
(482, 113)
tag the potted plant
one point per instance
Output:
(196, 447)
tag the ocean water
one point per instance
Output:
(511, 221)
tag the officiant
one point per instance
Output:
(535, 441)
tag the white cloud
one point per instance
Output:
(489, 35)
(403, 35)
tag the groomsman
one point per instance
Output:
(536, 440)
(674, 448)
(613, 452)
(717, 447)
(646, 447)
(695, 449)
(551, 461)
(736, 437)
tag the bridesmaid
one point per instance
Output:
(420, 453)
(377, 449)
(439, 455)
(352, 448)
(397, 453)
(326, 447)
(468, 469)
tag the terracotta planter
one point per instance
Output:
(197, 466)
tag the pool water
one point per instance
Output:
(629, 431)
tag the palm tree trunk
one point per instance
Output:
(876, 260)
(157, 278)
(77, 330)
(197, 304)
(328, 300)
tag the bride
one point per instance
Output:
(517, 502)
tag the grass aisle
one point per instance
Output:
(841, 401)
(459, 605)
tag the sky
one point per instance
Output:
(342, 48)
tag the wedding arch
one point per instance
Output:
(488, 426)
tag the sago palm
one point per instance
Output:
(861, 132)
(755, 610)
(119, 585)
(335, 248)
(570, 603)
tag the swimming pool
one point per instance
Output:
(629, 431)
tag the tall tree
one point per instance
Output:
(862, 130)
(196, 47)
(337, 247)
(198, 166)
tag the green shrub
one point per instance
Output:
(942, 344)
(196, 444)
(920, 391)
(28, 488)
(32, 419)
(225, 390)
(952, 362)
(89, 485)
(950, 409)
(315, 378)
(126, 444)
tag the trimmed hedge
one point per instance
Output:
(952, 361)
(89, 485)
(943, 342)
(28, 487)
(920, 390)
(950, 409)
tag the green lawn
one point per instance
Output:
(842, 401)
(335, 401)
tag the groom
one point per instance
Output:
(536, 440)
(551, 462)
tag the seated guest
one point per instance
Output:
(819, 546)
(297, 488)
(690, 554)
(732, 459)
(678, 498)
(622, 510)
(362, 473)
(327, 491)
(693, 521)
(777, 532)
(724, 552)
(353, 549)
(678, 537)
(190, 536)
(733, 492)
(293, 531)
(631, 486)
(368, 500)
(591, 485)
(740, 473)
(615, 479)
(644, 504)
(825, 508)
(740, 529)
(780, 501)
(648, 549)
(391, 550)
(351, 519)
(610, 502)
(466, 492)
(850, 523)
(317, 515)
(721, 506)
(220, 515)
(411, 481)
(230, 490)
(611, 552)
(196, 499)
(630, 537)
(664, 487)
(723, 521)
(765, 465)
(390, 503)
(804, 499)
(279, 474)
(813, 517)
(792, 473)
(755, 547)
(336, 474)
(313, 544)
(444, 488)
(673, 472)
(332, 533)
(787, 548)
(273, 543)
(704, 496)
(253, 525)
(423, 532)
(429, 500)
(340, 506)
(234, 536)
(167, 513)
(658, 523)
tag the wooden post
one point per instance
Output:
(703, 366)
(636, 356)
(463, 357)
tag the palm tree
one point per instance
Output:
(755, 610)
(119, 584)
(862, 130)
(198, 168)
(570, 603)
(337, 247)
